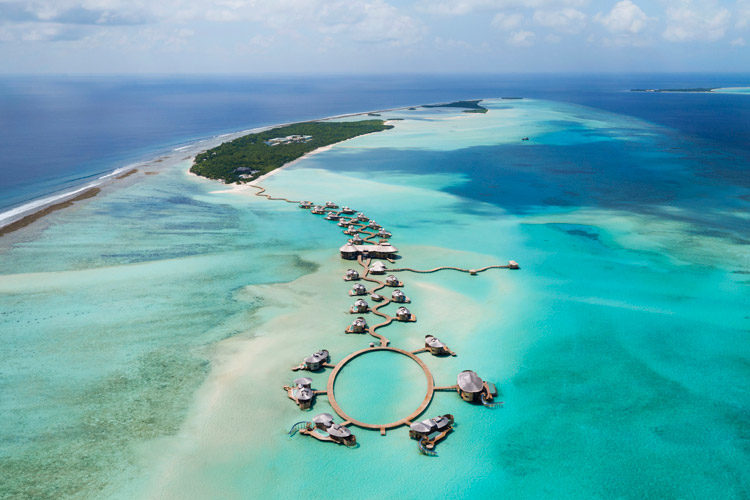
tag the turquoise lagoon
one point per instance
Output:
(148, 332)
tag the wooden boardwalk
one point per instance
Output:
(381, 427)
(369, 234)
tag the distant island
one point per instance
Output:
(696, 89)
(250, 156)
(470, 106)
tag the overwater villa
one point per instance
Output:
(360, 306)
(403, 314)
(351, 230)
(314, 361)
(332, 216)
(391, 280)
(357, 240)
(435, 347)
(362, 217)
(344, 223)
(351, 250)
(473, 389)
(429, 432)
(347, 211)
(334, 433)
(358, 289)
(330, 204)
(306, 204)
(377, 297)
(359, 325)
(301, 392)
(399, 296)
(512, 264)
(377, 268)
(374, 225)
(318, 210)
(351, 275)
(384, 234)
(342, 435)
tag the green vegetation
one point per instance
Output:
(249, 156)
(470, 106)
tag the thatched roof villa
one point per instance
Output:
(360, 306)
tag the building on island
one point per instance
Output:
(358, 289)
(399, 296)
(391, 280)
(377, 268)
(435, 347)
(351, 275)
(290, 139)
(359, 325)
(360, 306)
(403, 314)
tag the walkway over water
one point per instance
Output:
(369, 231)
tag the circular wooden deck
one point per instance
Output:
(382, 427)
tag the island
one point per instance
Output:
(470, 106)
(696, 89)
(250, 156)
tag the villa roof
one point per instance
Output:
(324, 419)
(433, 341)
(349, 248)
(402, 310)
(303, 381)
(421, 427)
(378, 266)
(339, 430)
(317, 357)
(469, 381)
(360, 302)
(303, 394)
(442, 422)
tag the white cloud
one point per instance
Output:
(566, 20)
(507, 22)
(461, 7)
(691, 21)
(625, 17)
(522, 38)
(352, 20)
(737, 42)
(743, 13)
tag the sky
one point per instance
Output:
(373, 36)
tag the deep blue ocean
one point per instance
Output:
(58, 132)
